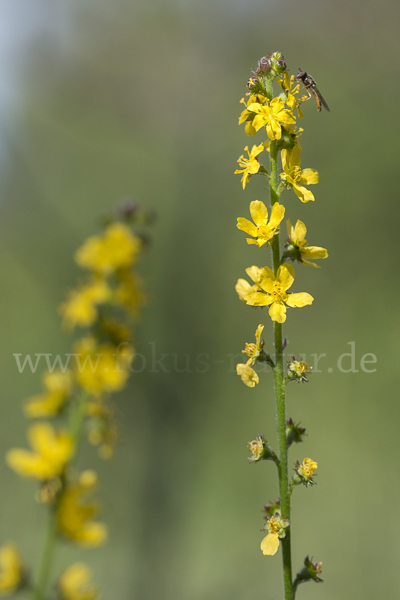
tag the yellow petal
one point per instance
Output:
(255, 273)
(285, 276)
(274, 130)
(309, 176)
(247, 374)
(243, 288)
(277, 312)
(258, 299)
(302, 193)
(299, 300)
(314, 252)
(277, 214)
(299, 232)
(258, 334)
(289, 228)
(259, 212)
(249, 128)
(267, 280)
(247, 226)
(270, 544)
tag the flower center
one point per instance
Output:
(279, 293)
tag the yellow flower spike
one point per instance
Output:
(81, 307)
(75, 517)
(297, 239)
(51, 452)
(247, 374)
(12, 569)
(272, 116)
(116, 248)
(263, 229)
(74, 583)
(293, 175)
(58, 387)
(274, 291)
(250, 166)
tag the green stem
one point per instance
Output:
(284, 490)
(47, 558)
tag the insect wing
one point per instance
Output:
(319, 98)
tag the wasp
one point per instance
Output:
(311, 86)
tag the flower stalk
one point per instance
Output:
(276, 116)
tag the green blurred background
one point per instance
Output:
(101, 100)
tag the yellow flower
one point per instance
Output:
(298, 244)
(51, 452)
(12, 570)
(276, 529)
(272, 116)
(250, 165)
(247, 374)
(102, 369)
(81, 305)
(117, 247)
(247, 115)
(306, 470)
(293, 175)
(274, 291)
(291, 88)
(58, 388)
(263, 230)
(74, 583)
(74, 516)
(129, 292)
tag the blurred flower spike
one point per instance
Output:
(13, 574)
(310, 572)
(276, 530)
(297, 370)
(261, 450)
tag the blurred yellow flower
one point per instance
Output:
(102, 430)
(74, 515)
(52, 451)
(274, 291)
(263, 230)
(58, 387)
(297, 236)
(74, 583)
(116, 248)
(293, 175)
(12, 570)
(102, 369)
(81, 305)
(250, 165)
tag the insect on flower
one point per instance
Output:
(311, 86)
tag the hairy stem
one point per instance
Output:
(47, 558)
(280, 399)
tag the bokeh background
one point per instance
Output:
(101, 100)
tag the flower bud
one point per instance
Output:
(297, 370)
(264, 66)
(310, 571)
(277, 63)
(271, 509)
(294, 433)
